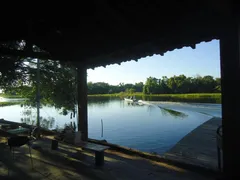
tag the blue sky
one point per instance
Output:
(204, 60)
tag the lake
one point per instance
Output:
(152, 128)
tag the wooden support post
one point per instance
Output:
(230, 75)
(82, 101)
(99, 158)
(54, 144)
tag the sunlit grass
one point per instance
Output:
(193, 97)
(10, 96)
(169, 166)
(2, 104)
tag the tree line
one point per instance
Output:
(58, 83)
(105, 88)
(164, 85)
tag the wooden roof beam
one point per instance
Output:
(105, 6)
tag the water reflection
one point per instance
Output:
(133, 104)
(128, 104)
(151, 108)
(143, 127)
(101, 101)
(171, 112)
(44, 123)
(29, 117)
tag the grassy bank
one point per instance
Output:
(105, 95)
(198, 97)
(194, 97)
(2, 104)
(10, 96)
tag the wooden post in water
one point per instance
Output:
(82, 101)
(102, 126)
(230, 79)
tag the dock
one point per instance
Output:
(199, 147)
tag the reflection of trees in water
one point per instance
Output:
(146, 98)
(150, 108)
(176, 114)
(133, 104)
(101, 101)
(47, 123)
(27, 121)
(30, 117)
(44, 122)
(167, 112)
(124, 103)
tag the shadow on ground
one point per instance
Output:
(70, 162)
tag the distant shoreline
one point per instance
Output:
(193, 97)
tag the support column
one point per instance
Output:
(82, 101)
(230, 79)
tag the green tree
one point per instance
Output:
(139, 87)
(218, 85)
(130, 91)
(151, 86)
(57, 83)
(98, 88)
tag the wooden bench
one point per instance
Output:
(96, 148)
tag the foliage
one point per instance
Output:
(182, 84)
(105, 88)
(57, 84)
(99, 88)
(130, 91)
(173, 85)
(10, 65)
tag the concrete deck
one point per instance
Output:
(73, 163)
(198, 147)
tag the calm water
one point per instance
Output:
(143, 127)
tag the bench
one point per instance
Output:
(96, 148)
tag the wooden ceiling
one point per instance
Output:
(98, 33)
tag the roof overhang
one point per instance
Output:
(106, 32)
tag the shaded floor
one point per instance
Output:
(198, 147)
(73, 163)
